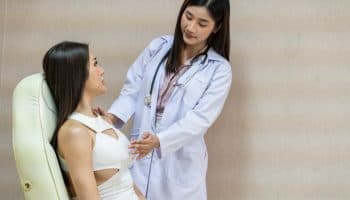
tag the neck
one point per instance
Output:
(189, 52)
(85, 105)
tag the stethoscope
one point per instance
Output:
(148, 98)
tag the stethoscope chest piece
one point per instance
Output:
(147, 100)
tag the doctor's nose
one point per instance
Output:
(191, 27)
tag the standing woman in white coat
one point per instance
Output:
(175, 90)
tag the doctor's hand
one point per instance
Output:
(109, 117)
(145, 145)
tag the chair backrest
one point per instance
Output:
(34, 119)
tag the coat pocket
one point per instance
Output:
(187, 167)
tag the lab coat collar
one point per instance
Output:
(198, 65)
(212, 55)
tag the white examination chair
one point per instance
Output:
(34, 121)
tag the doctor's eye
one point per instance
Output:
(188, 16)
(202, 25)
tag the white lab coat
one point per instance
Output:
(180, 164)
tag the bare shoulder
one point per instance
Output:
(74, 134)
(72, 129)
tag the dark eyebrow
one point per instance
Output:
(200, 19)
(188, 12)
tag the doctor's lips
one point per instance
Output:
(189, 36)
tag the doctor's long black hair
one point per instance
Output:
(219, 41)
(65, 68)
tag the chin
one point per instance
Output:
(190, 42)
(103, 91)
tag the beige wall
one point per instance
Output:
(285, 129)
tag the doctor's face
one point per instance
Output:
(196, 26)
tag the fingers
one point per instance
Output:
(101, 111)
(142, 154)
(140, 150)
(147, 139)
(146, 135)
(140, 146)
(95, 111)
(143, 146)
(98, 110)
(139, 153)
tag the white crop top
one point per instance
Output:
(108, 152)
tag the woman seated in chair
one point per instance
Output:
(93, 154)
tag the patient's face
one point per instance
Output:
(95, 83)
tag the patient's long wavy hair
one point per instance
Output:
(66, 71)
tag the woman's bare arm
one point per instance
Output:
(75, 145)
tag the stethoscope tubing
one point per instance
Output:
(150, 95)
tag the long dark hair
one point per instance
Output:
(66, 70)
(219, 41)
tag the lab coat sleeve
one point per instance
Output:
(124, 106)
(197, 121)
